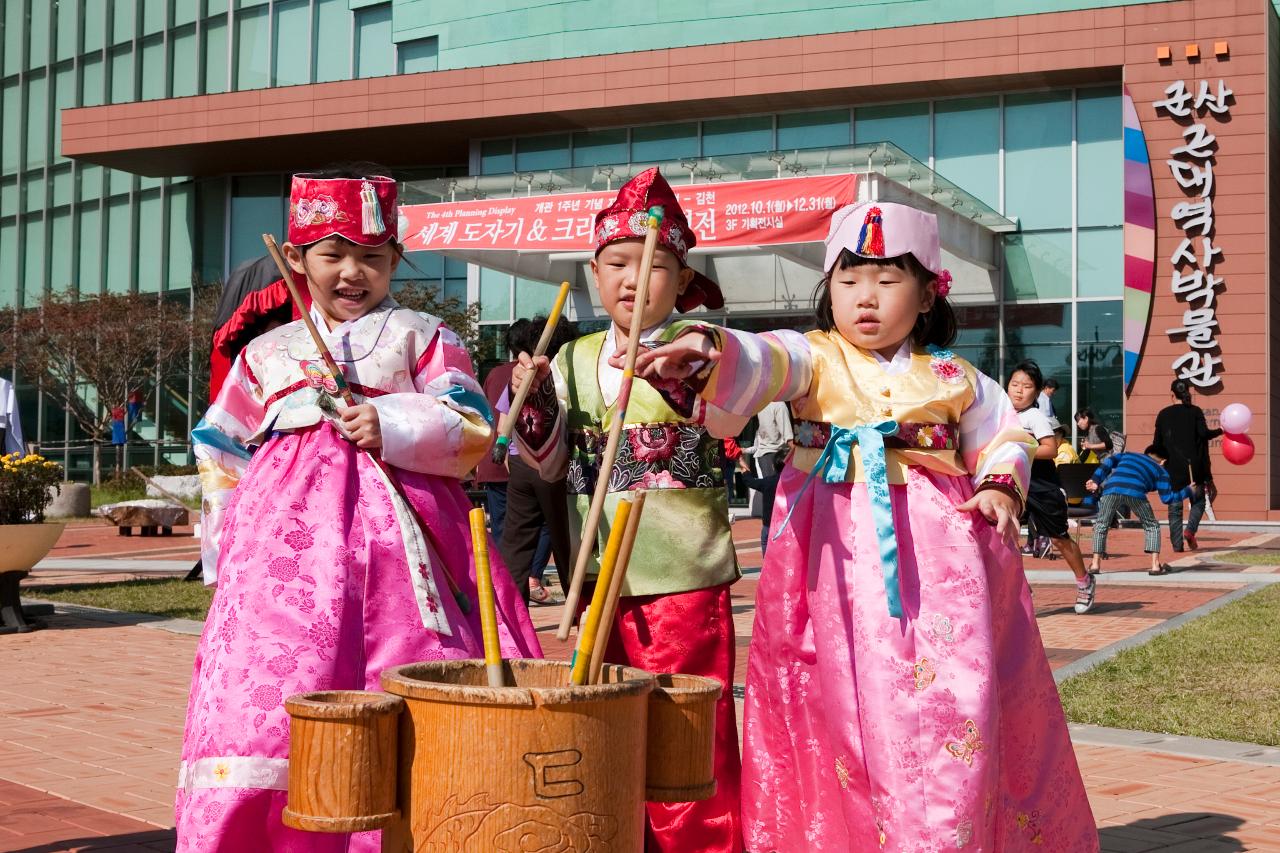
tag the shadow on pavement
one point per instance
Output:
(1202, 832)
(133, 842)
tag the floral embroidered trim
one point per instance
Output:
(235, 771)
(914, 436)
(943, 364)
(538, 414)
(1002, 483)
(650, 456)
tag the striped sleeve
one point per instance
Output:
(754, 370)
(996, 449)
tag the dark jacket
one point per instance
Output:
(1183, 437)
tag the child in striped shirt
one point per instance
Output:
(1125, 480)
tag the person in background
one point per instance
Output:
(1125, 480)
(489, 475)
(537, 510)
(767, 486)
(773, 433)
(10, 420)
(1183, 437)
(1044, 402)
(730, 453)
(1095, 439)
(1066, 453)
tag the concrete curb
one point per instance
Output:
(190, 627)
(1192, 747)
(1088, 662)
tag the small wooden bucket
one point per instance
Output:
(680, 764)
(342, 760)
(543, 765)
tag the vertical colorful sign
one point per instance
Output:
(1139, 241)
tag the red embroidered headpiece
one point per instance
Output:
(628, 218)
(362, 210)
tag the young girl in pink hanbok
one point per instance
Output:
(898, 695)
(325, 577)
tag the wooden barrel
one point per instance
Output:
(680, 764)
(342, 760)
(542, 765)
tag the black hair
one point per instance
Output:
(780, 458)
(523, 335)
(355, 170)
(936, 327)
(1032, 370)
(1181, 389)
(516, 337)
(1091, 418)
(1153, 450)
(1051, 383)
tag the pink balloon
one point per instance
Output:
(1237, 449)
(1235, 419)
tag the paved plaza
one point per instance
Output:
(92, 711)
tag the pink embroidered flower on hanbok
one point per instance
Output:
(653, 443)
(266, 696)
(947, 370)
(660, 480)
(281, 665)
(284, 568)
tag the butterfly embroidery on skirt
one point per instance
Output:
(970, 744)
(924, 674)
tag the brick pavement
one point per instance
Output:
(93, 713)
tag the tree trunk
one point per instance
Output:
(97, 462)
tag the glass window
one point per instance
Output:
(186, 73)
(420, 267)
(66, 46)
(33, 255)
(60, 257)
(8, 196)
(534, 298)
(64, 97)
(35, 190)
(495, 295)
(215, 56)
(1037, 160)
(14, 27)
(123, 20)
(333, 40)
(89, 267)
(292, 54)
(95, 25)
(37, 120)
(257, 208)
(966, 145)
(146, 182)
(1101, 261)
(496, 157)
(91, 178)
(978, 336)
(749, 135)
(8, 262)
(119, 244)
(122, 74)
(118, 182)
(455, 280)
(150, 241)
(539, 153)
(1099, 157)
(905, 125)
(181, 222)
(375, 53)
(216, 7)
(91, 81)
(153, 12)
(185, 12)
(38, 36)
(657, 143)
(825, 129)
(1042, 333)
(211, 199)
(418, 55)
(1037, 265)
(253, 48)
(63, 185)
(1100, 361)
(153, 68)
(600, 147)
(10, 142)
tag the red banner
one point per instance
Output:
(742, 213)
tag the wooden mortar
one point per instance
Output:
(680, 764)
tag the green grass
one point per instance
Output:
(1261, 557)
(169, 597)
(114, 491)
(1215, 677)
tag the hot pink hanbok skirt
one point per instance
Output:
(314, 593)
(938, 731)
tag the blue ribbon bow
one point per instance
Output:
(833, 464)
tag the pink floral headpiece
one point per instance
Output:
(944, 283)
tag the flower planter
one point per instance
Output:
(21, 547)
